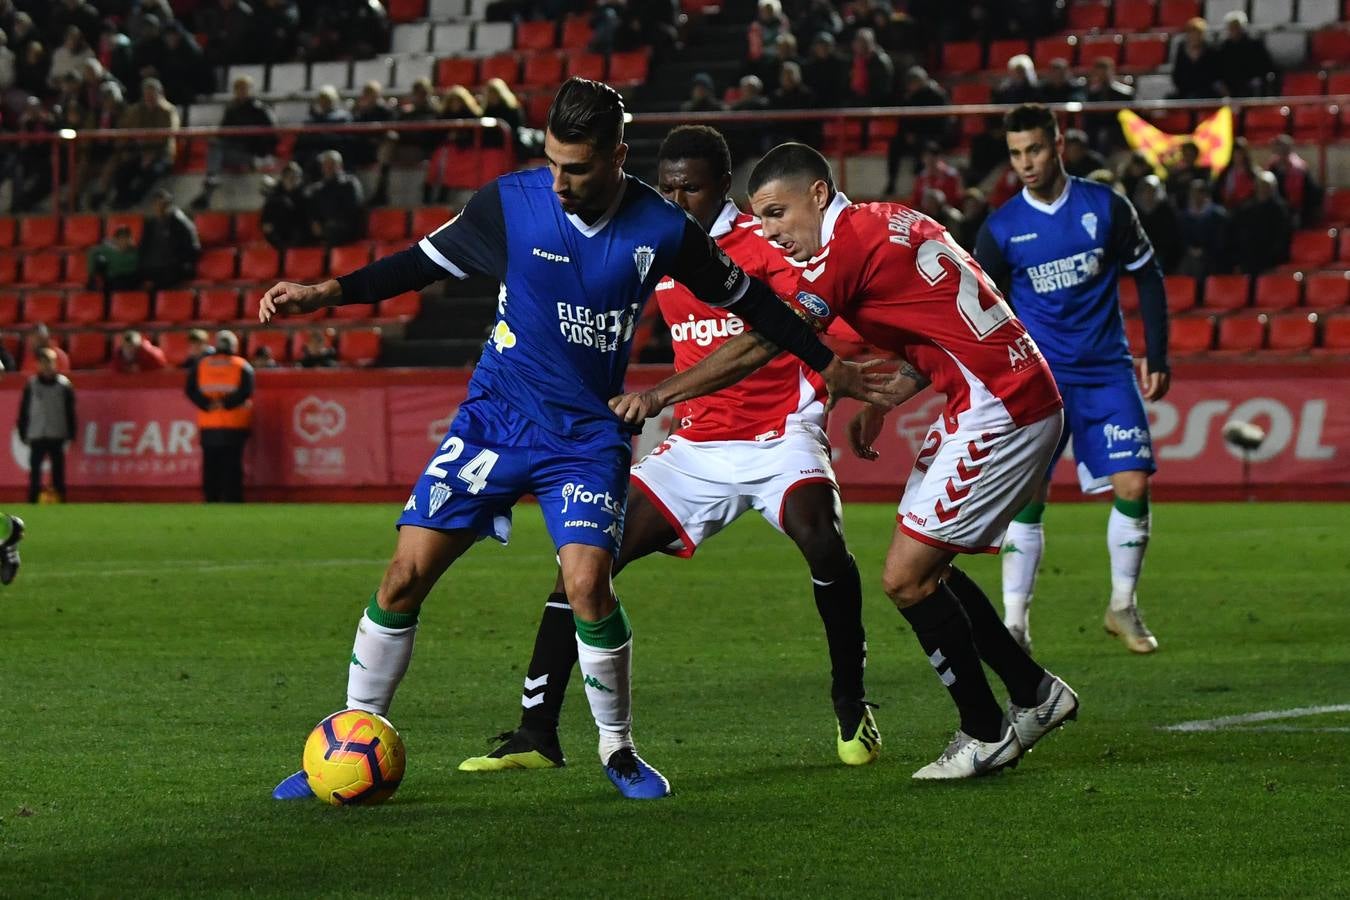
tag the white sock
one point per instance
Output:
(607, 675)
(1126, 539)
(1022, 549)
(380, 656)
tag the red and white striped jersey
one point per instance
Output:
(758, 407)
(906, 286)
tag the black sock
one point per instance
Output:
(555, 653)
(944, 634)
(1018, 671)
(839, 603)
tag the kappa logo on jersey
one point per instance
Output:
(1090, 224)
(550, 256)
(1019, 238)
(1134, 435)
(411, 505)
(1068, 272)
(575, 492)
(642, 258)
(814, 304)
(703, 331)
(502, 337)
(437, 494)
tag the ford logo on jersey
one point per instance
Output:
(813, 304)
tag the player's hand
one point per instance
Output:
(636, 407)
(1153, 385)
(287, 298)
(850, 379)
(863, 430)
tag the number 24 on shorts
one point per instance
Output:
(474, 473)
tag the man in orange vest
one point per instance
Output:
(220, 385)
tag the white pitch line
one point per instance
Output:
(1266, 716)
(176, 566)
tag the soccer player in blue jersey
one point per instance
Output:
(1059, 248)
(578, 246)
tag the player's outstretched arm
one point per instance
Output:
(723, 367)
(865, 426)
(287, 298)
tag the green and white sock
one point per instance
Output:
(1022, 549)
(1127, 532)
(605, 656)
(380, 657)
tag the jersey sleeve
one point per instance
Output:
(706, 270)
(1128, 242)
(474, 241)
(990, 256)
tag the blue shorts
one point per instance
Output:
(1109, 429)
(492, 456)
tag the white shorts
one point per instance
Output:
(966, 487)
(702, 487)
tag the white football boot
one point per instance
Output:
(1058, 705)
(966, 757)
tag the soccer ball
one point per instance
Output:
(354, 757)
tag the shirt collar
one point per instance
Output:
(837, 206)
(725, 219)
(599, 225)
(1049, 208)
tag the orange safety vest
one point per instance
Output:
(219, 375)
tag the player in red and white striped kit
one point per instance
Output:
(900, 280)
(757, 445)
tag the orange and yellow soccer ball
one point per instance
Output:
(354, 757)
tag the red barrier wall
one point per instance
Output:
(348, 435)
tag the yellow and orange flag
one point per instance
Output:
(1214, 137)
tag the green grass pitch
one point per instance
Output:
(161, 665)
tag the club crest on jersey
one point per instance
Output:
(642, 258)
(1090, 224)
(437, 494)
(813, 304)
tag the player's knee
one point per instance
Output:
(823, 548)
(590, 596)
(404, 587)
(906, 588)
(1131, 486)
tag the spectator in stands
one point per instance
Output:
(820, 17)
(1195, 65)
(221, 387)
(872, 76)
(147, 48)
(30, 73)
(1079, 158)
(199, 345)
(1186, 169)
(933, 203)
(7, 64)
(170, 246)
(825, 72)
(347, 30)
(276, 29)
(30, 166)
(230, 25)
(263, 358)
(66, 14)
(136, 354)
(238, 153)
(284, 223)
(752, 97)
(318, 351)
(895, 33)
(501, 103)
(422, 105)
(41, 339)
(456, 147)
(702, 95)
(182, 67)
(334, 206)
(1244, 64)
(326, 110)
(1133, 170)
(974, 210)
(68, 59)
(115, 57)
(47, 423)
(1296, 183)
(762, 38)
(1059, 85)
(22, 33)
(1263, 228)
(1204, 234)
(1158, 216)
(1021, 85)
(1237, 182)
(1108, 178)
(115, 264)
(93, 79)
(787, 52)
(916, 133)
(935, 174)
(1103, 129)
(142, 163)
(96, 161)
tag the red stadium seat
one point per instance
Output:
(1329, 47)
(404, 306)
(1129, 296)
(218, 305)
(1180, 293)
(1192, 334)
(247, 227)
(39, 232)
(543, 68)
(272, 338)
(216, 265)
(77, 269)
(586, 65)
(1336, 333)
(302, 264)
(1093, 47)
(428, 219)
(1049, 49)
(387, 224)
(456, 70)
(1338, 83)
(1003, 50)
(42, 267)
(348, 258)
(1327, 290)
(971, 92)
(1242, 333)
(576, 32)
(214, 228)
(629, 68)
(42, 306)
(1343, 245)
(1262, 123)
(536, 106)
(1173, 14)
(131, 220)
(174, 306)
(1304, 84)
(1313, 248)
(9, 308)
(1086, 15)
(82, 230)
(87, 349)
(843, 136)
(505, 66)
(1278, 291)
(1146, 51)
(962, 57)
(175, 346)
(1172, 121)
(359, 346)
(85, 308)
(259, 262)
(1134, 15)
(8, 229)
(354, 311)
(1293, 332)
(1226, 292)
(538, 35)
(9, 268)
(129, 307)
(1314, 124)
(406, 10)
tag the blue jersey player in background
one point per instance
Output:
(578, 247)
(1059, 249)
